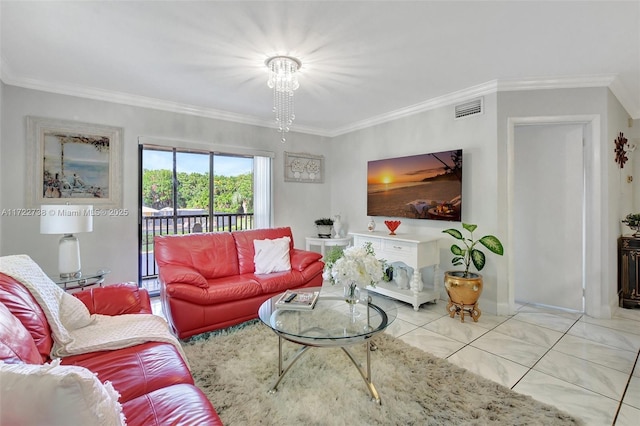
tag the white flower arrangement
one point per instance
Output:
(354, 265)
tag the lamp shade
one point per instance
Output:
(66, 219)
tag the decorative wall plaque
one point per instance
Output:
(302, 167)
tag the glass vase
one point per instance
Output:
(352, 296)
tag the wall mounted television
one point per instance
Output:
(425, 186)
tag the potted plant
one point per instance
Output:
(324, 225)
(465, 287)
(633, 221)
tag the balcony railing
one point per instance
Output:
(153, 226)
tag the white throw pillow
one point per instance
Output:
(272, 255)
(55, 394)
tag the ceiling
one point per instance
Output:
(363, 62)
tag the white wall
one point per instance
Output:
(572, 102)
(113, 243)
(430, 131)
(618, 122)
(620, 192)
(634, 167)
(1, 144)
(483, 139)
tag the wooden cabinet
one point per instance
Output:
(628, 271)
(418, 252)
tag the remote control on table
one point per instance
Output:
(290, 298)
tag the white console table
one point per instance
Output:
(327, 242)
(417, 252)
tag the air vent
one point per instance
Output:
(469, 108)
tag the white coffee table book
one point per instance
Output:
(416, 251)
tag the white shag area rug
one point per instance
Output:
(237, 367)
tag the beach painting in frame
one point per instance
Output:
(74, 162)
(425, 186)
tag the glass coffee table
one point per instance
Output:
(329, 324)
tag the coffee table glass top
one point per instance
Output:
(330, 322)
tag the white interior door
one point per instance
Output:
(548, 215)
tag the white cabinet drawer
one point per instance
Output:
(360, 240)
(399, 247)
(415, 251)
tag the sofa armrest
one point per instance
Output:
(301, 259)
(170, 274)
(116, 299)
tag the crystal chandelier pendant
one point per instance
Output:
(284, 81)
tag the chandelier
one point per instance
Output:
(283, 80)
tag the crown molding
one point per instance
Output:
(461, 95)
(632, 106)
(489, 87)
(493, 86)
(142, 101)
(569, 82)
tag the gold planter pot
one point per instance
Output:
(464, 293)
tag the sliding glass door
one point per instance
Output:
(185, 191)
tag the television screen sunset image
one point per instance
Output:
(426, 186)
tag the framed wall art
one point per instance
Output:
(70, 161)
(301, 167)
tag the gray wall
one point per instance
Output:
(572, 102)
(430, 131)
(1, 150)
(634, 168)
(113, 243)
(620, 199)
(483, 138)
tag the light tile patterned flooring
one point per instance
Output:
(587, 367)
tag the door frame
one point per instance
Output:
(593, 256)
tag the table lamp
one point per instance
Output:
(67, 219)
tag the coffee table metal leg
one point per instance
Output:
(366, 375)
(281, 371)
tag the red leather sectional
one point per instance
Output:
(208, 281)
(155, 385)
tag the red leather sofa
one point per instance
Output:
(155, 385)
(208, 281)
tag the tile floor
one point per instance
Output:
(584, 366)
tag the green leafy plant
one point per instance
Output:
(330, 258)
(324, 221)
(465, 256)
(632, 219)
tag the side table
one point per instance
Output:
(86, 278)
(327, 242)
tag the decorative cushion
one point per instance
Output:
(56, 394)
(272, 255)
